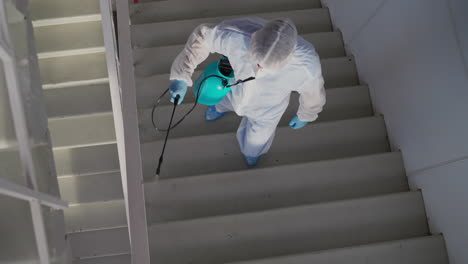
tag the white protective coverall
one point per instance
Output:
(262, 101)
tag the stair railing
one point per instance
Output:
(123, 95)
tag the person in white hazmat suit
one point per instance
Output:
(279, 59)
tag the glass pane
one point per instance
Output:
(24, 250)
(18, 30)
(17, 241)
(55, 230)
(21, 37)
(45, 169)
(10, 162)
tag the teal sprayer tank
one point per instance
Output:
(213, 84)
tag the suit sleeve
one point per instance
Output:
(196, 50)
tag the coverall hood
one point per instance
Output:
(272, 46)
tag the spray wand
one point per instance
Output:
(161, 158)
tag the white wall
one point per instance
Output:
(414, 56)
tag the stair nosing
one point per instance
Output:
(87, 174)
(371, 118)
(375, 117)
(69, 84)
(70, 116)
(182, 44)
(104, 255)
(114, 141)
(72, 204)
(191, 102)
(100, 143)
(45, 22)
(153, 4)
(100, 113)
(70, 52)
(222, 173)
(143, 78)
(100, 229)
(84, 231)
(277, 210)
(435, 236)
(163, 104)
(230, 16)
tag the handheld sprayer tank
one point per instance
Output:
(213, 82)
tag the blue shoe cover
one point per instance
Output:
(251, 161)
(212, 115)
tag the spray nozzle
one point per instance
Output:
(176, 99)
(225, 83)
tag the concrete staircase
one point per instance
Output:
(74, 76)
(332, 192)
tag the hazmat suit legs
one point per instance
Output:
(255, 135)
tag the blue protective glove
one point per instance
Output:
(178, 88)
(296, 123)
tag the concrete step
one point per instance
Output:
(220, 152)
(275, 187)
(95, 129)
(73, 68)
(68, 39)
(98, 128)
(118, 259)
(421, 250)
(49, 12)
(183, 9)
(177, 32)
(91, 188)
(97, 243)
(83, 130)
(83, 160)
(139, 2)
(337, 72)
(289, 231)
(95, 216)
(342, 103)
(327, 44)
(78, 100)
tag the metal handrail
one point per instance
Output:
(124, 107)
(23, 193)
